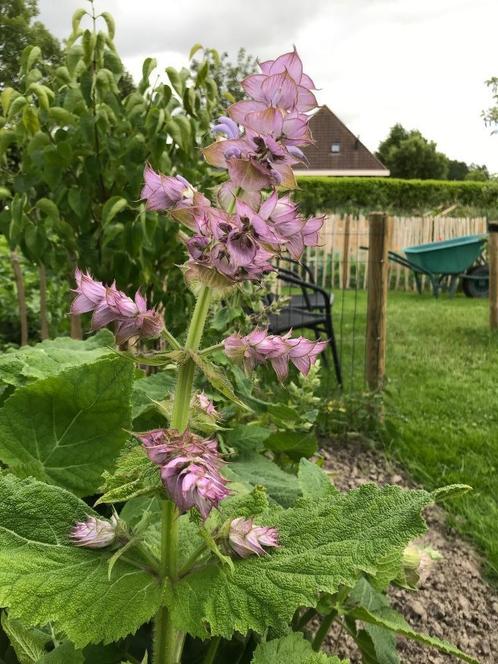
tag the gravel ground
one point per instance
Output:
(455, 603)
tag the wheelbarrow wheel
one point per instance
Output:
(478, 285)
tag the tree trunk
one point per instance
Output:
(21, 297)
(43, 302)
(76, 330)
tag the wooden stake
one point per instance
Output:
(379, 237)
(21, 297)
(43, 302)
(493, 274)
(345, 252)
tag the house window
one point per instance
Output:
(335, 148)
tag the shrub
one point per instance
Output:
(356, 195)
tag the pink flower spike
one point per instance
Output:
(132, 318)
(94, 533)
(246, 539)
(162, 192)
(259, 346)
(190, 468)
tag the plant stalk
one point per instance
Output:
(212, 650)
(168, 641)
(323, 630)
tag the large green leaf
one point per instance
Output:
(324, 545)
(65, 653)
(156, 387)
(296, 444)
(254, 469)
(44, 578)
(290, 649)
(28, 644)
(373, 608)
(68, 428)
(51, 357)
(313, 481)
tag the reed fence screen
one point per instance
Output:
(341, 259)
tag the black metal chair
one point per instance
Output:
(313, 313)
(307, 300)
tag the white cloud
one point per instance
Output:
(419, 62)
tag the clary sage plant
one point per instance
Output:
(232, 557)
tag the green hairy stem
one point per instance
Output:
(168, 642)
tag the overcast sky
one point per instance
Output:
(422, 63)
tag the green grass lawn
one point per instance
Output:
(442, 398)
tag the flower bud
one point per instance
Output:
(95, 533)
(417, 564)
(246, 539)
(205, 404)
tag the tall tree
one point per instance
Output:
(457, 170)
(228, 73)
(491, 114)
(18, 30)
(408, 154)
(478, 173)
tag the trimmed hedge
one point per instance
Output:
(365, 194)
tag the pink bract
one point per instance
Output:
(246, 539)
(258, 347)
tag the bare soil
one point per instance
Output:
(455, 603)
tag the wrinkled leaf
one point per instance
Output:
(323, 545)
(290, 649)
(72, 588)
(68, 428)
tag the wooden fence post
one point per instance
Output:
(493, 274)
(379, 234)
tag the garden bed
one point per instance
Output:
(455, 603)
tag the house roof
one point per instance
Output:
(353, 158)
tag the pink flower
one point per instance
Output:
(90, 293)
(246, 539)
(282, 84)
(226, 126)
(162, 192)
(205, 404)
(190, 468)
(258, 347)
(231, 244)
(95, 533)
(194, 483)
(132, 318)
(254, 162)
(294, 232)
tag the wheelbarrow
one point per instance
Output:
(444, 263)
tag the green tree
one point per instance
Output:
(491, 114)
(478, 173)
(408, 155)
(80, 145)
(18, 30)
(228, 74)
(457, 170)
